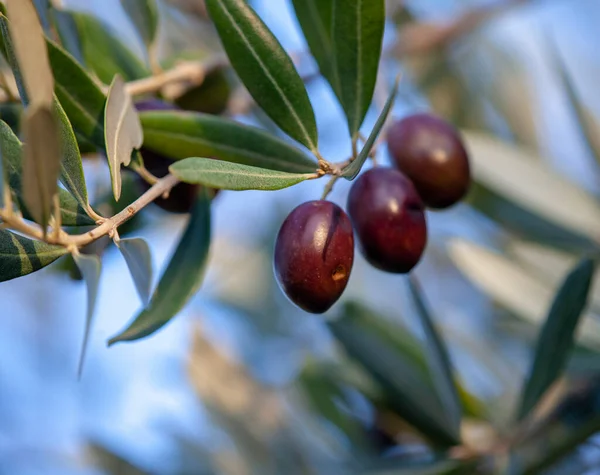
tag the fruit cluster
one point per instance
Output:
(314, 250)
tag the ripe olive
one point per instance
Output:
(430, 152)
(389, 218)
(314, 253)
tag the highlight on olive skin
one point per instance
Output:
(389, 218)
(430, 152)
(314, 254)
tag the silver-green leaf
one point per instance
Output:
(233, 176)
(181, 279)
(265, 69)
(21, 256)
(89, 266)
(357, 38)
(122, 129)
(139, 261)
(353, 169)
(179, 135)
(557, 336)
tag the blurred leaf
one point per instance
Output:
(324, 394)
(265, 69)
(316, 19)
(352, 170)
(179, 135)
(211, 97)
(139, 261)
(41, 162)
(574, 420)
(357, 37)
(123, 131)
(411, 394)
(89, 266)
(11, 114)
(233, 176)
(104, 52)
(43, 7)
(30, 51)
(144, 15)
(528, 184)
(69, 35)
(439, 360)
(21, 256)
(556, 339)
(82, 100)
(71, 168)
(71, 212)
(182, 278)
(513, 287)
(450, 467)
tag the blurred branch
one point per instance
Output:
(418, 38)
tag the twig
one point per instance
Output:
(189, 71)
(106, 226)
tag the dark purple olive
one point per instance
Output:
(314, 253)
(389, 218)
(182, 197)
(430, 152)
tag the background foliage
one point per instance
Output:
(442, 373)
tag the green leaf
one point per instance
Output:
(105, 53)
(446, 467)
(72, 213)
(27, 42)
(41, 162)
(357, 38)
(401, 375)
(89, 266)
(182, 278)
(557, 337)
(9, 54)
(139, 261)
(68, 33)
(316, 20)
(353, 169)
(439, 360)
(123, 131)
(233, 176)
(21, 256)
(265, 69)
(210, 97)
(144, 15)
(71, 168)
(181, 135)
(571, 423)
(81, 98)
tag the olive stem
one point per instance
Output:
(329, 187)
(105, 225)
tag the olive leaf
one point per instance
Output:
(357, 38)
(233, 176)
(353, 169)
(139, 261)
(181, 135)
(21, 256)
(72, 214)
(30, 52)
(144, 15)
(41, 162)
(265, 69)
(123, 131)
(81, 98)
(316, 19)
(104, 52)
(69, 35)
(43, 10)
(181, 279)
(557, 336)
(89, 266)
